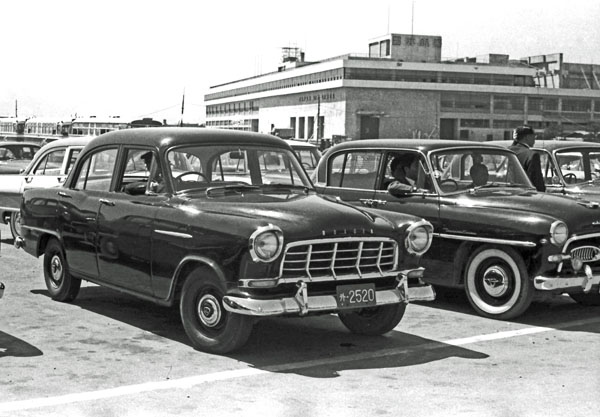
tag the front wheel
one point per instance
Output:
(209, 326)
(373, 321)
(586, 299)
(497, 283)
(15, 224)
(61, 285)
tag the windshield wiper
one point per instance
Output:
(498, 185)
(232, 188)
(280, 185)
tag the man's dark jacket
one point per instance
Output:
(530, 161)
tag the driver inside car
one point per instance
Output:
(155, 183)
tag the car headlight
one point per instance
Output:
(559, 233)
(418, 237)
(266, 243)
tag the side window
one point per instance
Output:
(547, 168)
(354, 170)
(50, 163)
(409, 168)
(142, 173)
(73, 154)
(97, 171)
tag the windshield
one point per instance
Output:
(459, 170)
(577, 166)
(204, 166)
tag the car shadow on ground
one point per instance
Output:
(318, 346)
(7, 239)
(13, 346)
(543, 312)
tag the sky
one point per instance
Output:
(136, 59)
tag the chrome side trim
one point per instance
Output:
(580, 237)
(42, 230)
(174, 234)
(487, 240)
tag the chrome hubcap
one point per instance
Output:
(495, 281)
(209, 310)
(56, 269)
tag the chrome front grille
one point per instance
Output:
(364, 257)
(586, 253)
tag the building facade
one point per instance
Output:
(402, 88)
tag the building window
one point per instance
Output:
(301, 127)
(481, 123)
(576, 106)
(509, 103)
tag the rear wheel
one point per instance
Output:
(15, 224)
(373, 320)
(209, 326)
(586, 299)
(60, 283)
(497, 283)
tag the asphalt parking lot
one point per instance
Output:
(109, 354)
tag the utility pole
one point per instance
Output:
(16, 109)
(182, 107)
(318, 117)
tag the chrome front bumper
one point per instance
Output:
(301, 304)
(557, 283)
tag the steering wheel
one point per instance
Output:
(570, 177)
(306, 165)
(186, 173)
(594, 175)
(448, 181)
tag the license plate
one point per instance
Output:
(358, 295)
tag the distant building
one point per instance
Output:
(402, 88)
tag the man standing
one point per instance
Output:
(523, 140)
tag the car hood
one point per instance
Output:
(580, 215)
(304, 215)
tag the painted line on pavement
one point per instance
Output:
(189, 382)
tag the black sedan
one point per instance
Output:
(498, 238)
(227, 226)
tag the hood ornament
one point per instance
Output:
(589, 204)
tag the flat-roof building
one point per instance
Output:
(403, 88)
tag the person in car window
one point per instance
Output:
(479, 175)
(523, 140)
(155, 178)
(404, 168)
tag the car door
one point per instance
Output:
(125, 224)
(79, 207)
(52, 168)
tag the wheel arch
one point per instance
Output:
(466, 250)
(184, 269)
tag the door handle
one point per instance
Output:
(366, 202)
(107, 202)
(28, 179)
(375, 203)
(63, 194)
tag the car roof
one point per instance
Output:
(163, 137)
(423, 145)
(69, 141)
(552, 145)
(299, 144)
(12, 143)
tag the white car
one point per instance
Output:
(49, 168)
(308, 154)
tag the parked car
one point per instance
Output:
(307, 152)
(49, 168)
(568, 167)
(221, 235)
(502, 241)
(15, 156)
